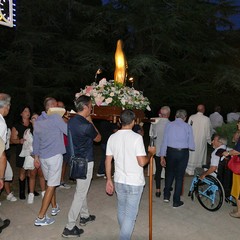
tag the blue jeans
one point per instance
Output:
(176, 164)
(128, 197)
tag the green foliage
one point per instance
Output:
(174, 52)
(228, 130)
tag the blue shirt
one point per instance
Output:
(48, 135)
(177, 134)
(83, 134)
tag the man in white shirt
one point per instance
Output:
(156, 132)
(216, 118)
(218, 142)
(5, 100)
(4, 110)
(201, 126)
(128, 151)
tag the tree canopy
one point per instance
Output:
(176, 51)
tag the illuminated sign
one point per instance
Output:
(8, 13)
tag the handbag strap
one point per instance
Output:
(71, 143)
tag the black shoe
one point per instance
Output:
(36, 194)
(178, 204)
(6, 223)
(75, 232)
(84, 221)
(158, 194)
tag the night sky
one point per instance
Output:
(235, 19)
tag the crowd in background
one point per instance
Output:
(41, 142)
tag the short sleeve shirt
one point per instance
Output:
(2, 146)
(83, 134)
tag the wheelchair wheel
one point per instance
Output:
(210, 193)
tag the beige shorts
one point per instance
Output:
(52, 169)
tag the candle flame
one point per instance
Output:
(120, 64)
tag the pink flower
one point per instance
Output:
(99, 100)
(89, 89)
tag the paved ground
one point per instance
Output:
(188, 222)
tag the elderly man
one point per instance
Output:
(156, 132)
(3, 163)
(177, 141)
(202, 130)
(48, 147)
(218, 142)
(5, 103)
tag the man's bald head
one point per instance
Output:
(201, 108)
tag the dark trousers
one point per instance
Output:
(225, 177)
(101, 168)
(176, 164)
(158, 172)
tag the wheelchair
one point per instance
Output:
(209, 192)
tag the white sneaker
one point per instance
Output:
(43, 193)
(10, 197)
(64, 185)
(30, 198)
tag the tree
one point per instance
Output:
(175, 51)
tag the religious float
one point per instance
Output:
(109, 98)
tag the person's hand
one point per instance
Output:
(109, 187)
(201, 177)
(163, 162)
(22, 140)
(151, 150)
(37, 163)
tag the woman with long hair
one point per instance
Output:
(18, 130)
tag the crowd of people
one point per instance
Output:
(182, 149)
(42, 149)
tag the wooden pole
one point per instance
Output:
(150, 196)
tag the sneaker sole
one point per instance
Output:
(70, 236)
(84, 224)
(54, 214)
(42, 224)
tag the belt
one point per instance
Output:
(177, 149)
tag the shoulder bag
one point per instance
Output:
(234, 164)
(78, 165)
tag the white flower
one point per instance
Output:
(108, 100)
(103, 82)
(148, 108)
(112, 94)
(123, 101)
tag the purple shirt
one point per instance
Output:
(48, 135)
(177, 134)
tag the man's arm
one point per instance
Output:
(3, 164)
(61, 124)
(208, 172)
(143, 160)
(108, 170)
(98, 138)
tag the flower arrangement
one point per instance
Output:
(113, 94)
